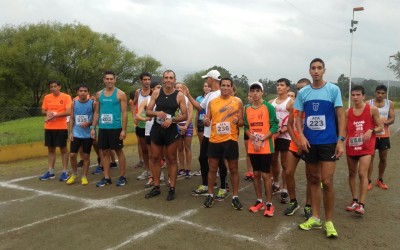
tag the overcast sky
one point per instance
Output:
(260, 39)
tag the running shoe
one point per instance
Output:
(121, 181)
(188, 174)
(103, 182)
(380, 183)
(80, 164)
(249, 176)
(84, 180)
(352, 206)
(113, 165)
(310, 224)
(145, 175)
(236, 204)
(359, 209)
(140, 164)
(150, 182)
(330, 230)
(201, 190)
(47, 176)
(71, 179)
(292, 208)
(284, 198)
(222, 194)
(307, 212)
(153, 193)
(181, 173)
(257, 207)
(99, 170)
(208, 203)
(269, 210)
(64, 176)
(197, 173)
(370, 185)
(275, 189)
(171, 195)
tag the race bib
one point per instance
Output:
(316, 122)
(80, 119)
(162, 120)
(355, 141)
(106, 118)
(257, 140)
(201, 117)
(223, 128)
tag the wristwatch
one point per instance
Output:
(341, 138)
(92, 127)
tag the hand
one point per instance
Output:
(304, 144)
(71, 137)
(85, 124)
(93, 134)
(339, 149)
(167, 123)
(235, 120)
(367, 135)
(49, 116)
(161, 114)
(122, 135)
(207, 122)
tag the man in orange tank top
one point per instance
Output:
(363, 122)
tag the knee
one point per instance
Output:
(314, 179)
(73, 156)
(327, 183)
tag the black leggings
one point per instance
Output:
(203, 159)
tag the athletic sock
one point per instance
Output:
(234, 196)
(51, 170)
(260, 200)
(355, 200)
(317, 219)
(362, 204)
(380, 179)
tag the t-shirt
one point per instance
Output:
(259, 121)
(319, 106)
(56, 104)
(223, 111)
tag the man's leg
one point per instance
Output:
(327, 171)
(233, 169)
(352, 165)
(382, 162)
(64, 157)
(363, 175)
(212, 173)
(290, 170)
(121, 161)
(171, 163)
(51, 157)
(315, 186)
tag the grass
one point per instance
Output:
(22, 131)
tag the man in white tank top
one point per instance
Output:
(386, 112)
(283, 105)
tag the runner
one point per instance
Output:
(293, 158)
(79, 126)
(322, 104)
(213, 79)
(164, 131)
(56, 106)
(363, 122)
(142, 95)
(260, 124)
(224, 116)
(112, 117)
(282, 138)
(185, 139)
(386, 112)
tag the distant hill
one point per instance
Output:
(359, 80)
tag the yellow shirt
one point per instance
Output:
(223, 111)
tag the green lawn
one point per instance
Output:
(22, 131)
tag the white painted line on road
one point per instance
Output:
(21, 199)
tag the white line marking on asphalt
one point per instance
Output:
(21, 199)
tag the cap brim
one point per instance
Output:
(205, 76)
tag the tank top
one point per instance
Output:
(83, 112)
(282, 114)
(222, 113)
(259, 125)
(384, 114)
(141, 98)
(167, 104)
(110, 111)
(357, 126)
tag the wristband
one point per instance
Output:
(92, 127)
(341, 138)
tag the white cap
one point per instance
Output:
(214, 74)
(258, 84)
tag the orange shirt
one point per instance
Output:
(56, 104)
(223, 111)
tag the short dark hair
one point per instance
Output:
(81, 86)
(358, 88)
(144, 74)
(381, 87)
(304, 80)
(286, 81)
(108, 72)
(54, 81)
(226, 79)
(168, 71)
(317, 60)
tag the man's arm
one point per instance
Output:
(195, 104)
(377, 120)
(95, 116)
(391, 118)
(340, 116)
(124, 110)
(71, 123)
(240, 122)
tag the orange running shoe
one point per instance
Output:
(269, 210)
(353, 205)
(257, 207)
(380, 183)
(369, 185)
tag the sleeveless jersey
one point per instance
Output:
(259, 122)
(149, 124)
(222, 113)
(110, 111)
(141, 98)
(282, 114)
(83, 112)
(357, 126)
(320, 115)
(384, 114)
(167, 104)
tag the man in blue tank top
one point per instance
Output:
(79, 127)
(319, 140)
(112, 117)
